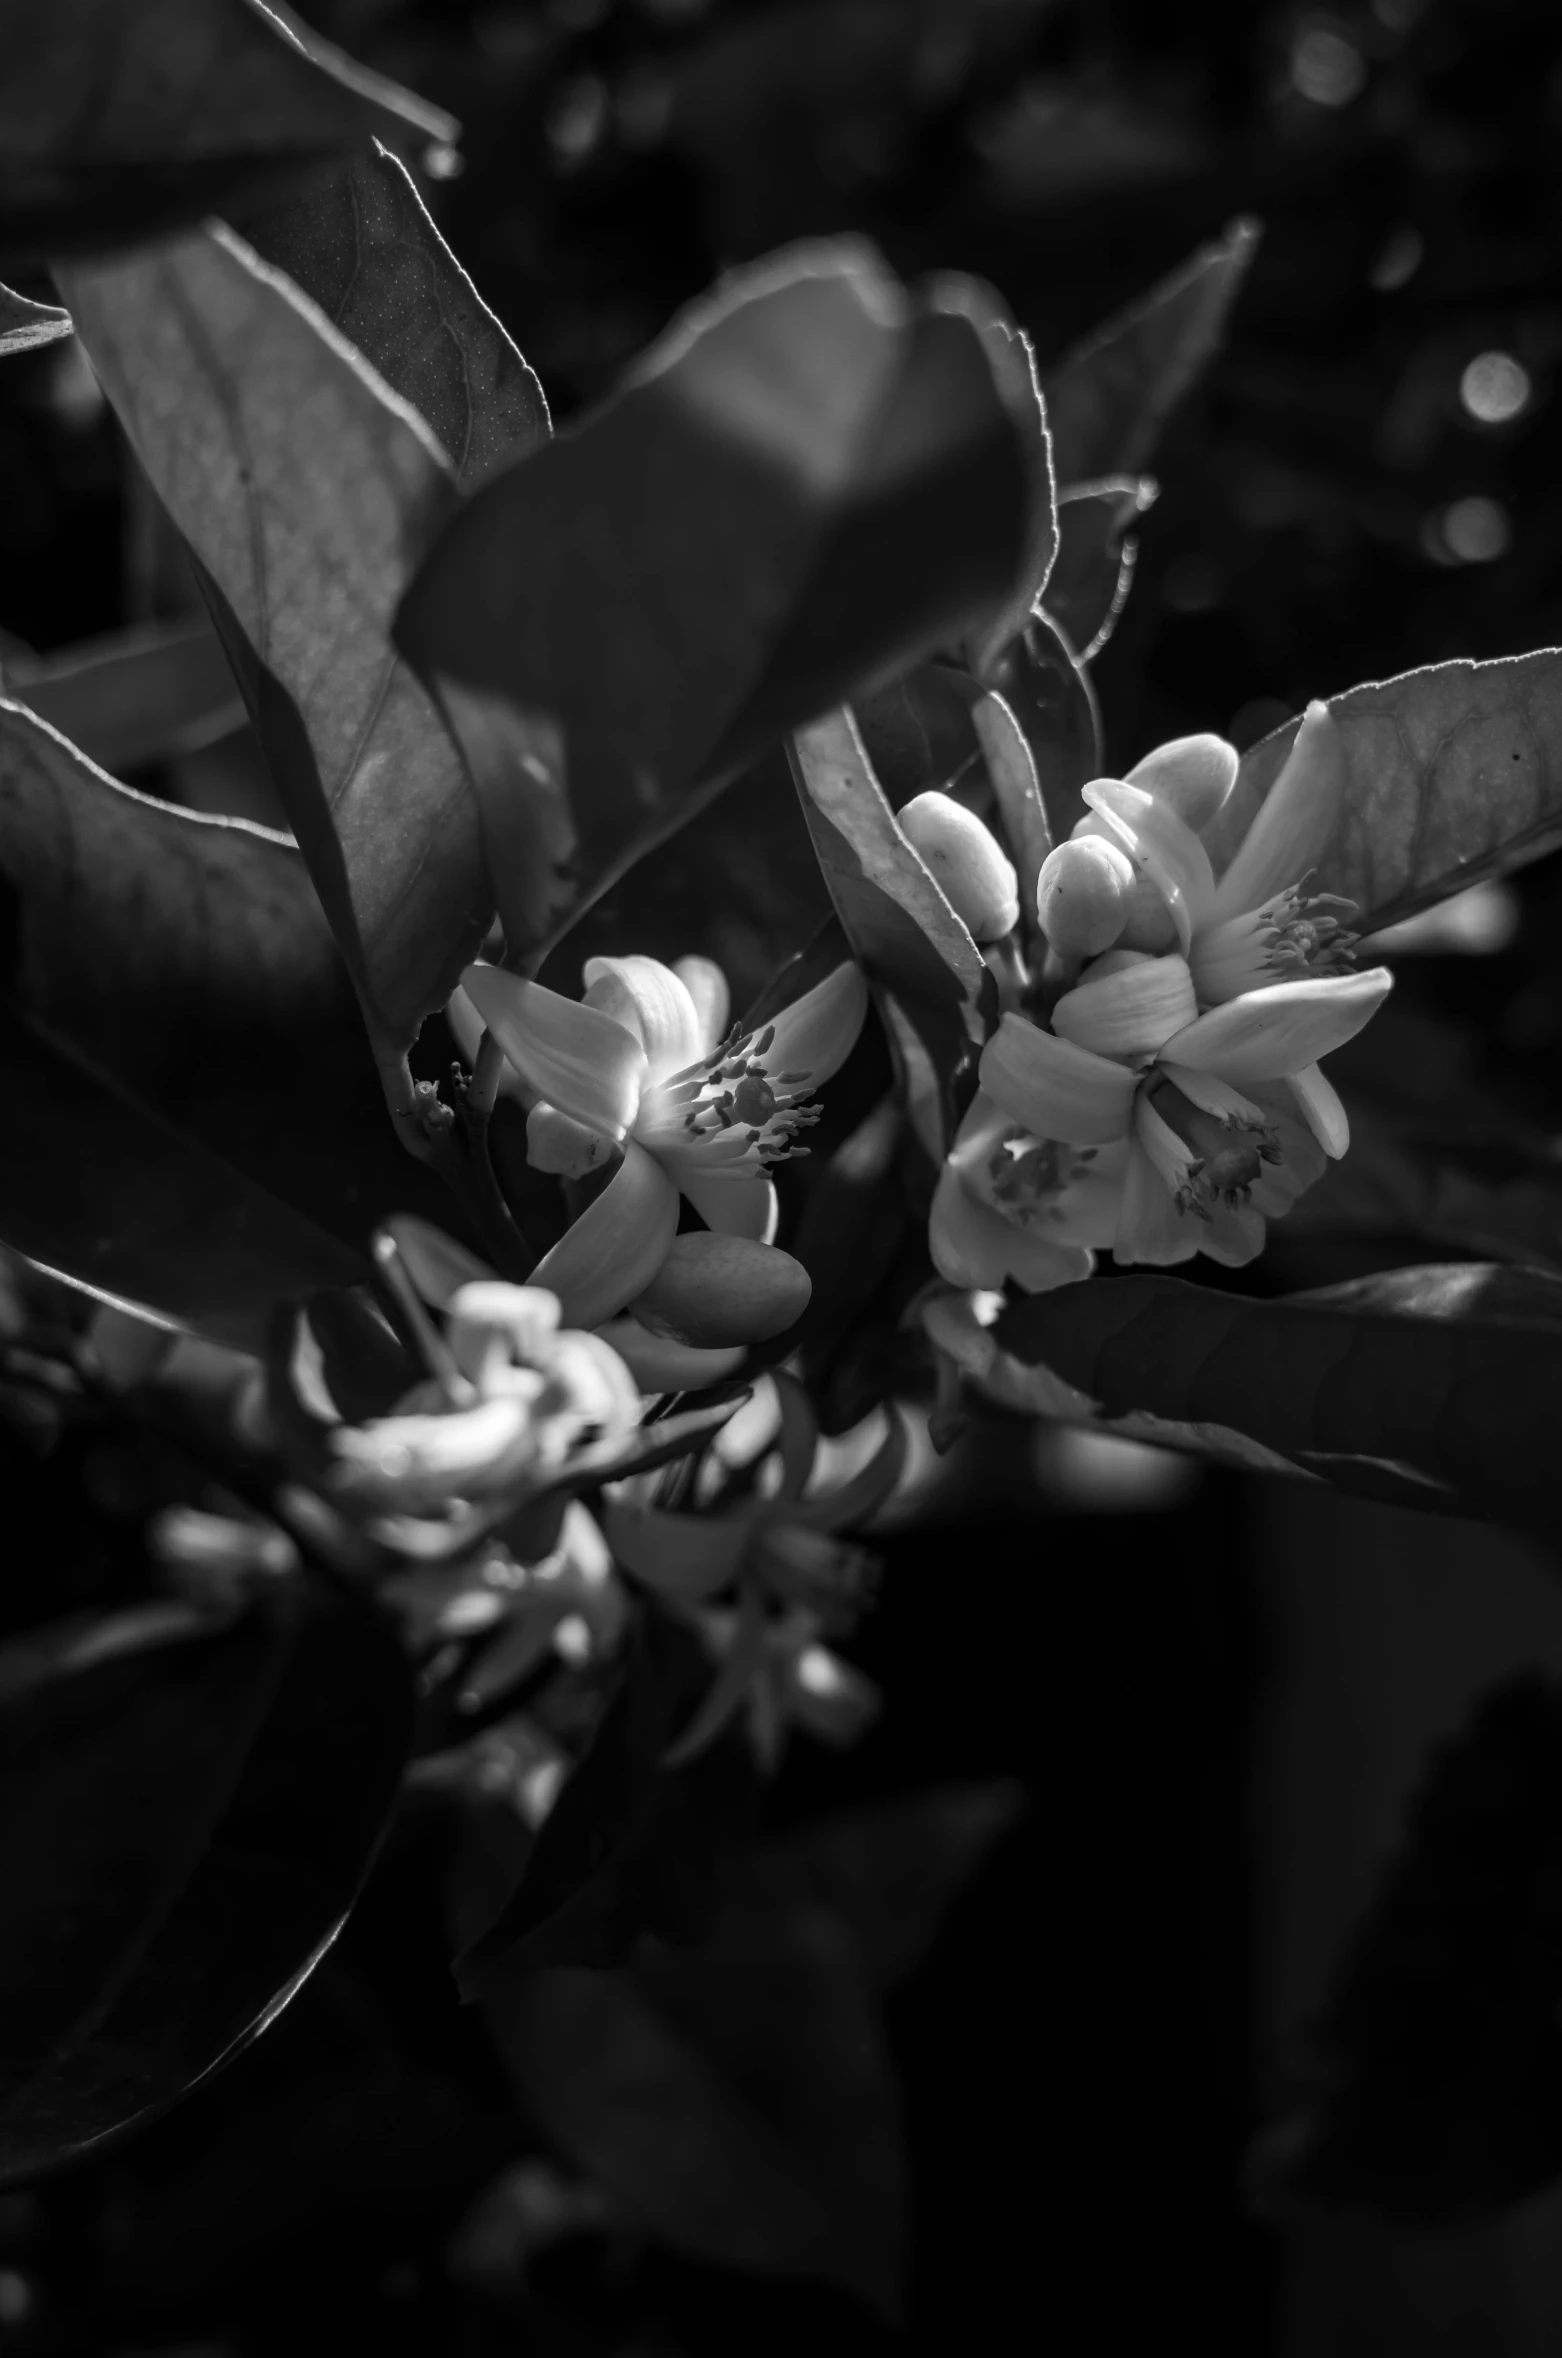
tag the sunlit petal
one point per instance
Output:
(732, 1207)
(1295, 822)
(575, 1056)
(817, 1033)
(612, 1252)
(652, 1001)
(1053, 1088)
(1128, 1013)
(1163, 845)
(706, 985)
(1325, 1115)
(1190, 775)
(1268, 1035)
(974, 1246)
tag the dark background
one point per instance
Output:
(1079, 2052)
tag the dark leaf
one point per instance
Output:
(1047, 688)
(918, 732)
(1431, 2090)
(622, 622)
(141, 696)
(932, 983)
(1090, 582)
(632, 1847)
(1454, 773)
(120, 122)
(230, 387)
(184, 1828)
(1109, 398)
(24, 325)
(190, 1117)
(739, 2102)
(362, 246)
(1449, 1371)
(891, 1871)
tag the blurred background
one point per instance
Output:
(1217, 1694)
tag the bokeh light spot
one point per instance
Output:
(1495, 388)
(1326, 68)
(1476, 530)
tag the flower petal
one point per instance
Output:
(436, 1264)
(1213, 1095)
(1191, 776)
(1321, 1108)
(1268, 1035)
(1233, 1235)
(1150, 1228)
(1163, 845)
(817, 1033)
(654, 1003)
(972, 1245)
(706, 985)
(575, 1056)
(658, 1365)
(612, 1252)
(1129, 1013)
(741, 1206)
(1054, 1088)
(1295, 821)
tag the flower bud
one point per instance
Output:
(1147, 922)
(1189, 775)
(715, 1290)
(556, 1142)
(967, 861)
(1082, 895)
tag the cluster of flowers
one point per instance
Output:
(1155, 1091)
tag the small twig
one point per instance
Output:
(482, 1090)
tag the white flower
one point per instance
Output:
(641, 1065)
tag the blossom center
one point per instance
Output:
(1228, 1153)
(734, 1101)
(1027, 1178)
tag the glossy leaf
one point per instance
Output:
(917, 732)
(1109, 398)
(184, 1826)
(1090, 582)
(1453, 773)
(118, 122)
(1450, 1371)
(362, 246)
(1430, 2090)
(914, 949)
(230, 386)
(214, 1141)
(24, 325)
(740, 2101)
(141, 696)
(808, 433)
(1046, 687)
(632, 1846)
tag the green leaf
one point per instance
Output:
(918, 732)
(632, 1846)
(1454, 773)
(189, 1116)
(740, 2102)
(24, 325)
(140, 696)
(1449, 1371)
(619, 624)
(1109, 398)
(232, 387)
(118, 123)
(932, 983)
(1089, 584)
(184, 1824)
(1046, 687)
(362, 246)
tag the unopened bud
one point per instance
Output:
(1147, 922)
(1083, 894)
(717, 1290)
(968, 862)
(1189, 775)
(556, 1142)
